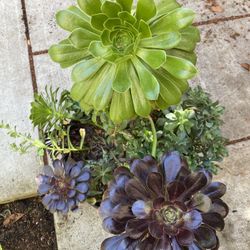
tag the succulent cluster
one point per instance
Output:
(163, 206)
(64, 185)
(129, 58)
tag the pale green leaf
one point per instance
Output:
(148, 82)
(179, 67)
(166, 6)
(144, 29)
(163, 41)
(98, 20)
(145, 10)
(190, 56)
(111, 23)
(122, 81)
(153, 57)
(81, 38)
(105, 37)
(97, 49)
(90, 7)
(126, 4)
(111, 9)
(174, 21)
(125, 16)
(86, 69)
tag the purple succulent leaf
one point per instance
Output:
(200, 202)
(163, 244)
(43, 189)
(60, 205)
(219, 207)
(175, 245)
(192, 220)
(122, 212)
(135, 228)
(55, 196)
(121, 181)
(185, 237)
(85, 176)
(70, 163)
(73, 183)
(215, 190)
(82, 187)
(59, 170)
(115, 243)
(75, 171)
(71, 203)
(42, 179)
(113, 226)
(52, 206)
(175, 189)
(106, 208)
(46, 200)
(122, 171)
(48, 171)
(141, 209)
(214, 220)
(71, 193)
(156, 230)
(146, 244)
(155, 184)
(136, 190)
(171, 166)
(205, 237)
(117, 194)
(193, 247)
(81, 197)
(159, 203)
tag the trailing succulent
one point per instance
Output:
(162, 207)
(129, 57)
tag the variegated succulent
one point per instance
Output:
(130, 56)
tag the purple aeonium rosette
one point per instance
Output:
(64, 185)
(163, 207)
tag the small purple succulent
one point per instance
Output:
(64, 185)
(163, 207)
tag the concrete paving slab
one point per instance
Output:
(236, 176)
(82, 230)
(223, 48)
(44, 32)
(17, 173)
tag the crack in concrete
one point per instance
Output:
(236, 141)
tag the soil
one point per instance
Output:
(26, 225)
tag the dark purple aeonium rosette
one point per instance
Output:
(163, 207)
(64, 185)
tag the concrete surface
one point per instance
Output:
(17, 172)
(81, 231)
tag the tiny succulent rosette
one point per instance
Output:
(129, 56)
(64, 185)
(163, 207)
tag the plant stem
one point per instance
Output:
(154, 145)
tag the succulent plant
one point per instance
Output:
(129, 58)
(163, 207)
(64, 185)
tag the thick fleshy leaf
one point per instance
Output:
(135, 228)
(82, 187)
(86, 69)
(81, 38)
(215, 190)
(122, 212)
(90, 7)
(81, 197)
(75, 171)
(112, 226)
(190, 56)
(43, 189)
(141, 105)
(185, 237)
(175, 245)
(171, 166)
(126, 4)
(72, 18)
(148, 82)
(175, 20)
(153, 57)
(117, 194)
(106, 208)
(71, 193)
(141, 209)
(163, 244)
(121, 107)
(156, 229)
(111, 9)
(48, 171)
(166, 6)
(135, 190)
(97, 49)
(155, 184)
(46, 200)
(179, 67)
(193, 247)
(85, 176)
(98, 20)
(60, 205)
(205, 237)
(214, 220)
(147, 243)
(219, 207)
(58, 168)
(120, 242)
(127, 17)
(175, 189)
(112, 22)
(200, 202)
(122, 81)
(190, 36)
(145, 10)
(144, 29)
(67, 54)
(163, 41)
(192, 220)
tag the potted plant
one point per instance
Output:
(130, 100)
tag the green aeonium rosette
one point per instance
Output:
(129, 57)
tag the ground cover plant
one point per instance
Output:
(131, 136)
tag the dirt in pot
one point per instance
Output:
(26, 224)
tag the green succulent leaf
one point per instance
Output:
(180, 68)
(175, 20)
(153, 57)
(145, 10)
(163, 41)
(129, 54)
(81, 38)
(90, 7)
